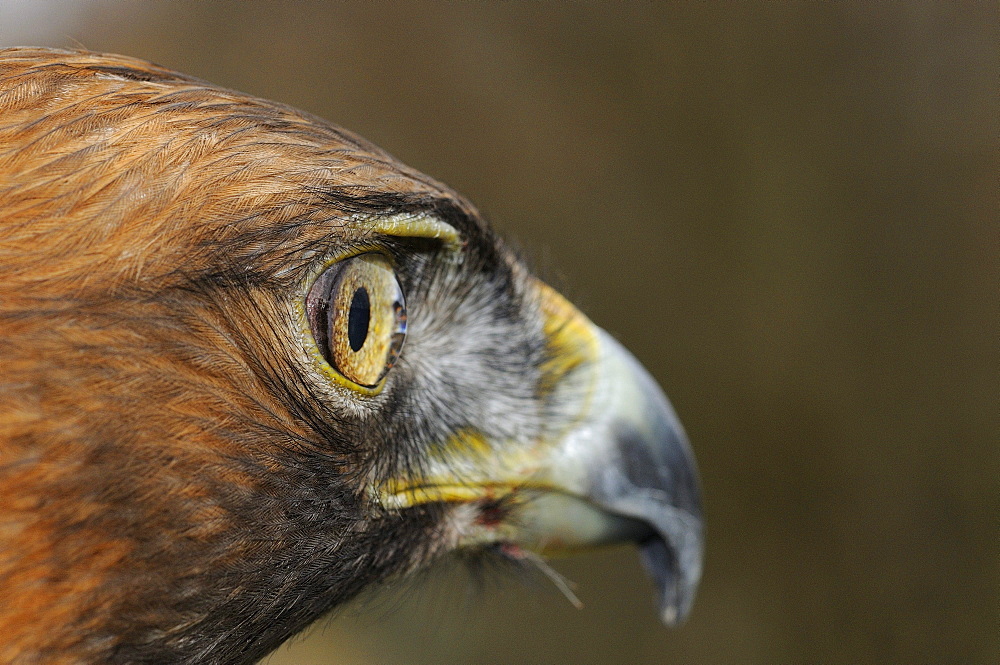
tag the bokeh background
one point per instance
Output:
(788, 211)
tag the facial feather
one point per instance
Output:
(196, 480)
(180, 478)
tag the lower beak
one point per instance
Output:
(619, 468)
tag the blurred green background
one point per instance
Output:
(788, 211)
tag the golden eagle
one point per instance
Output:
(250, 364)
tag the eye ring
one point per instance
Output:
(357, 314)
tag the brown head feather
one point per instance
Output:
(183, 477)
(148, 224)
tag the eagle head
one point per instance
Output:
(250, 364)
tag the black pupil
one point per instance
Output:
(357, 320)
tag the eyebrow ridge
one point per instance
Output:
(381, 204)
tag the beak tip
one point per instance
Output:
(676, 571)
(661, 485)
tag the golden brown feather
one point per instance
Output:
(180, 480)
(120, 185)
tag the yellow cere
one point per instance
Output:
(570, 337)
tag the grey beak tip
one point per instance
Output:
(645, 470)
(676, 570)
(659, 485)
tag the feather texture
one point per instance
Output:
(174, 486)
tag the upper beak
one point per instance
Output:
(614, 466)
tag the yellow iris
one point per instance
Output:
(358, 317)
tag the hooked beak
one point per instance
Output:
(616, 466)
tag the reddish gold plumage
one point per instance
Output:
(202, 446)
(120, 181)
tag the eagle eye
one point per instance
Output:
(358, 317)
